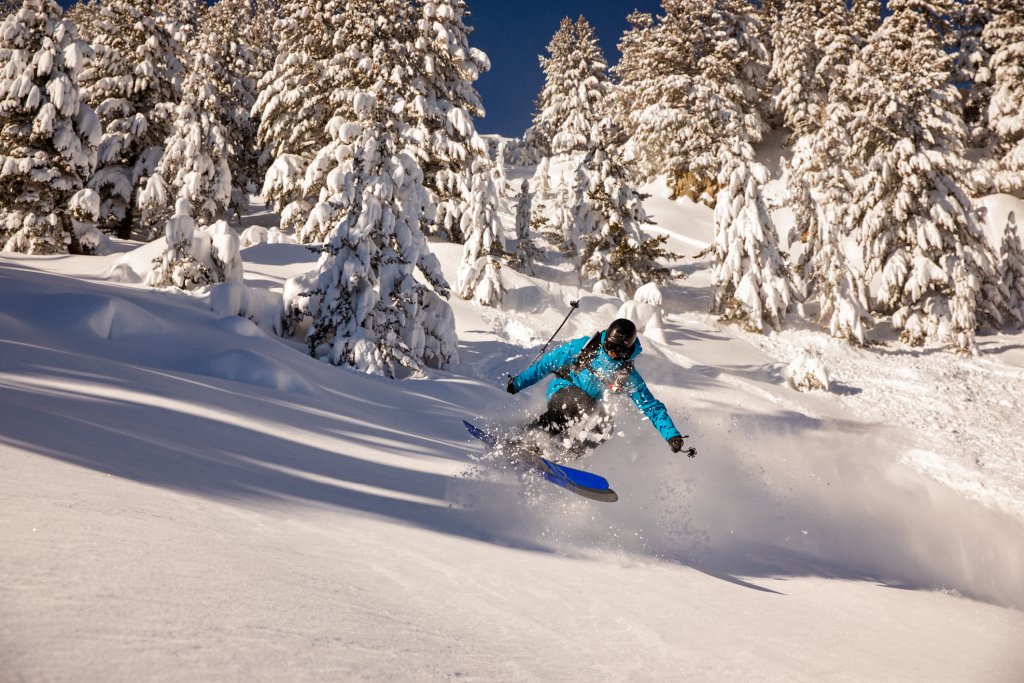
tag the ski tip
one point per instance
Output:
(605, 496)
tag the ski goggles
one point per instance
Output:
(616, 349)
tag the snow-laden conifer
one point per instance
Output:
(813, 41)
(363, 306)
(1003, 37)
(821, 174)
(443, 109)
(751, 280)
(542, 180)
(240, 51)
(178, 265)
(183, 18)
(1011, 270)
(48, 136)
(526, 251)
(575, 85)
(971, 68)
(817, 186)
(81, 14)
(916, 223)
(195, 257)
(211, 154)
(294, 102)
(865, 18)
(480, 273)
(613, 254)
(690, 82)
(498, 170)
(194, 164)
(562, 214)
(133, 82)
(799, 95)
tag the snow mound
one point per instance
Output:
(236, 299)
(122, 272)
(101, 316)
(249, 367)
(140, 260)
(644, 310)
(258, 234)
(807, 373)
(240, 326)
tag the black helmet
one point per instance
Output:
(620, 338)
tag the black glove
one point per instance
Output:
(511, 388)
(676, 444)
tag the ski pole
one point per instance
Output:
(573, 305)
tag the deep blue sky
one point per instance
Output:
(515, 33)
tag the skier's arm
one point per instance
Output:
(548, 363)
(653, 408)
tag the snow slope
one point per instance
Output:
(186, 497)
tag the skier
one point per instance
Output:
(586, 370)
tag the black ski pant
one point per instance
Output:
(569, 407)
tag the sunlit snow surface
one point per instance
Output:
(186, 496)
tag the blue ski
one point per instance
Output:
(586, 484)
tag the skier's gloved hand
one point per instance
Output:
(676, 444)
(511, 387)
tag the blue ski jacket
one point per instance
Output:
(601, 376)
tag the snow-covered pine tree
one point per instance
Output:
(917, 226)
(182, 19)
(751, 280)
(48, 136)
(81, 14)
(818, 188)
(239, 52)
(294, 103)
(575, 85)
(133, 83)
(689, 83)
(194, 164)
(195, 257)
(736, 66)
(363, 303)
(865, 18)
(1011, 270)
(613, 253)
(444, 109)
(799, 95)
(178, 265)
(1003, 38)
(643, 97)
(538, 137)
(498, 170)
(971, 66)
(8, 7)
(752, 283)
(542, 179)
(819, 179)
(480, 273)
(526, 251)
(562, 213)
